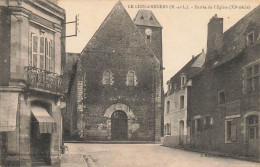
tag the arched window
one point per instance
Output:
(131, 78)
(107, 77)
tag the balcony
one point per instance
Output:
(43, 80)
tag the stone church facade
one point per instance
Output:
(115, 90)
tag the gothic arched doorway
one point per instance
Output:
(119, 125)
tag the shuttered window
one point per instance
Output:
(42, 55)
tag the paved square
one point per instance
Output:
(146, 155)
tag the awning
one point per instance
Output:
(46, 122)
(8, 111)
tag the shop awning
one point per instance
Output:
(46, 122)
(8, 111)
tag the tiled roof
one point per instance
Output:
(234, 40)
(191, 69)
(147, 18)
(117, 32)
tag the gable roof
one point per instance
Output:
(146, 18)
(234, 40)
(191, 69)
(118, 33)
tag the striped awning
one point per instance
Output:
(46, 122)
(8, 111)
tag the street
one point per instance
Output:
(141, 155)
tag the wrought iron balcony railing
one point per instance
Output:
(41, 79)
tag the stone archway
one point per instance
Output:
(119, 107)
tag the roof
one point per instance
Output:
(191, 69)
(234, 40)
(146, 18)
(118, 33)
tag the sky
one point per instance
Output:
(184, 24)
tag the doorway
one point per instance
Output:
(40, 144)
(119, 125)
(181, 132)
(253, 136)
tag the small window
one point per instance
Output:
(131, 78)
(142, 17)
(107, 77)
(231, 131)
(169, 86)
(250, 38)
(151, 18)
(252, 78)
(183, 81)
(199, 125)
(168, 107)
(167, 129)
(181, 102)
(221, 97)
(148, 37)
(208, 122)
(253, 127)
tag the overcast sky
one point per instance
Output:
(184, 30)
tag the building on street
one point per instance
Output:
(177, 103)
(32, 56)
(223, 101)
(116, 90)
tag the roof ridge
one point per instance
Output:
(187, 64)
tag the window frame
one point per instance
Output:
(253, 38)
(219, 97)
(42, 54)
(168, 106)
(182, 102)
(107, 78)
(252, 78)
(253, 126)
(134, 82)
(230, 126)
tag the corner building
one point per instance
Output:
(118, 83)
(31, 57)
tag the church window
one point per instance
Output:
(131, 78)
(107, 77)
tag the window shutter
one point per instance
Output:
(233, 132)
(30, 49)
(52, 57)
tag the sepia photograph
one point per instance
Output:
(127, 83)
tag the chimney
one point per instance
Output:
(215, 37)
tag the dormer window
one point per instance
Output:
(250, 38)
(183, 80)
(142, 17)
(151, 18)
(169, 87)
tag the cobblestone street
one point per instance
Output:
(141, 155)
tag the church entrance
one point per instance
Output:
(119, 125)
